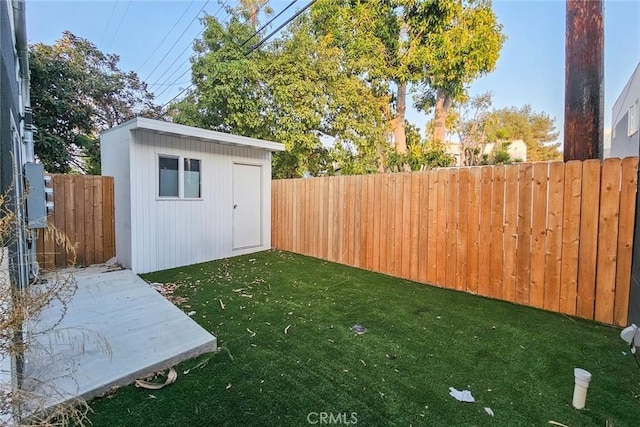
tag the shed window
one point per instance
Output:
(168, 177)
(191, 178)
(633, 119)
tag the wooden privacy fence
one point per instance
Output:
(83, 210)
(556, 236)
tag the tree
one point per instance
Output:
(251, 8)
(299, 90)
(370, 36)
(439, 45)
(463, 46)
(421, 154)
(469, 124)
(76, 92)
(537, 130)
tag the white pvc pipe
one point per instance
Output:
(582, 379)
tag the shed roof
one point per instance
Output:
(183, 131)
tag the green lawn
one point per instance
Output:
(420, 341)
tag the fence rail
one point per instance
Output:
(556, 236)
(83, 210)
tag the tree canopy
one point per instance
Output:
(536, 129)
(333, 87)
(77, 91)
(464, 45)
(298, 91)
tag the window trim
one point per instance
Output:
(181, 171)
(633, 119)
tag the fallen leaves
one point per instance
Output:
(167, 290)
(243, 292)
(286, 330)
(221, 304)
(172, 376)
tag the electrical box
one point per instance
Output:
(36, 198)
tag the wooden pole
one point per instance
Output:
(584, 75)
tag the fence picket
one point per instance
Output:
(497, 233)
(462, 225)
(588, 251)
(510, 233)
(523, 251)
(607, 240)
(484, 248)
(570, 237)
(625, 239)
(473, 230)
(539, 234)
(451, 241)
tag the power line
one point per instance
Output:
(173, 63)
(183, 52)
(268, 23)
(168, 85)
(115, 34)
(201, 31)
(179, 38)
(281, 26)
(171, 84)
(167, 35)
(263, 41)
(113, 9)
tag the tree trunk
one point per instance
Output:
(443, 103)
(399, 134)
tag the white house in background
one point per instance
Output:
(606, 145)
(517, 150)
(625, 119)
(185, 195)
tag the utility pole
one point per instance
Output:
(584, 80)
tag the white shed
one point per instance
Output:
(185, 195)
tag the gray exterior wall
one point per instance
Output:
(623, 145)
(9, 92)
(629, 145)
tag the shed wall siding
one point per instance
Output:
(114, 152)
(173, 233)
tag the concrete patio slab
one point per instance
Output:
(117, 329)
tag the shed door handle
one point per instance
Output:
(235, 206)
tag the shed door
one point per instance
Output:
(247, 206)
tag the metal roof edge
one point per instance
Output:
(160, 126)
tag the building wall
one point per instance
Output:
(114, 152)
(171, 233)
(9, 92)
(622, 144)
(517, 150)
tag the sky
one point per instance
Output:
(154, 39)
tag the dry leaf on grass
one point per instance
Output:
(167, 290)
(286, 330)
(172, 376)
